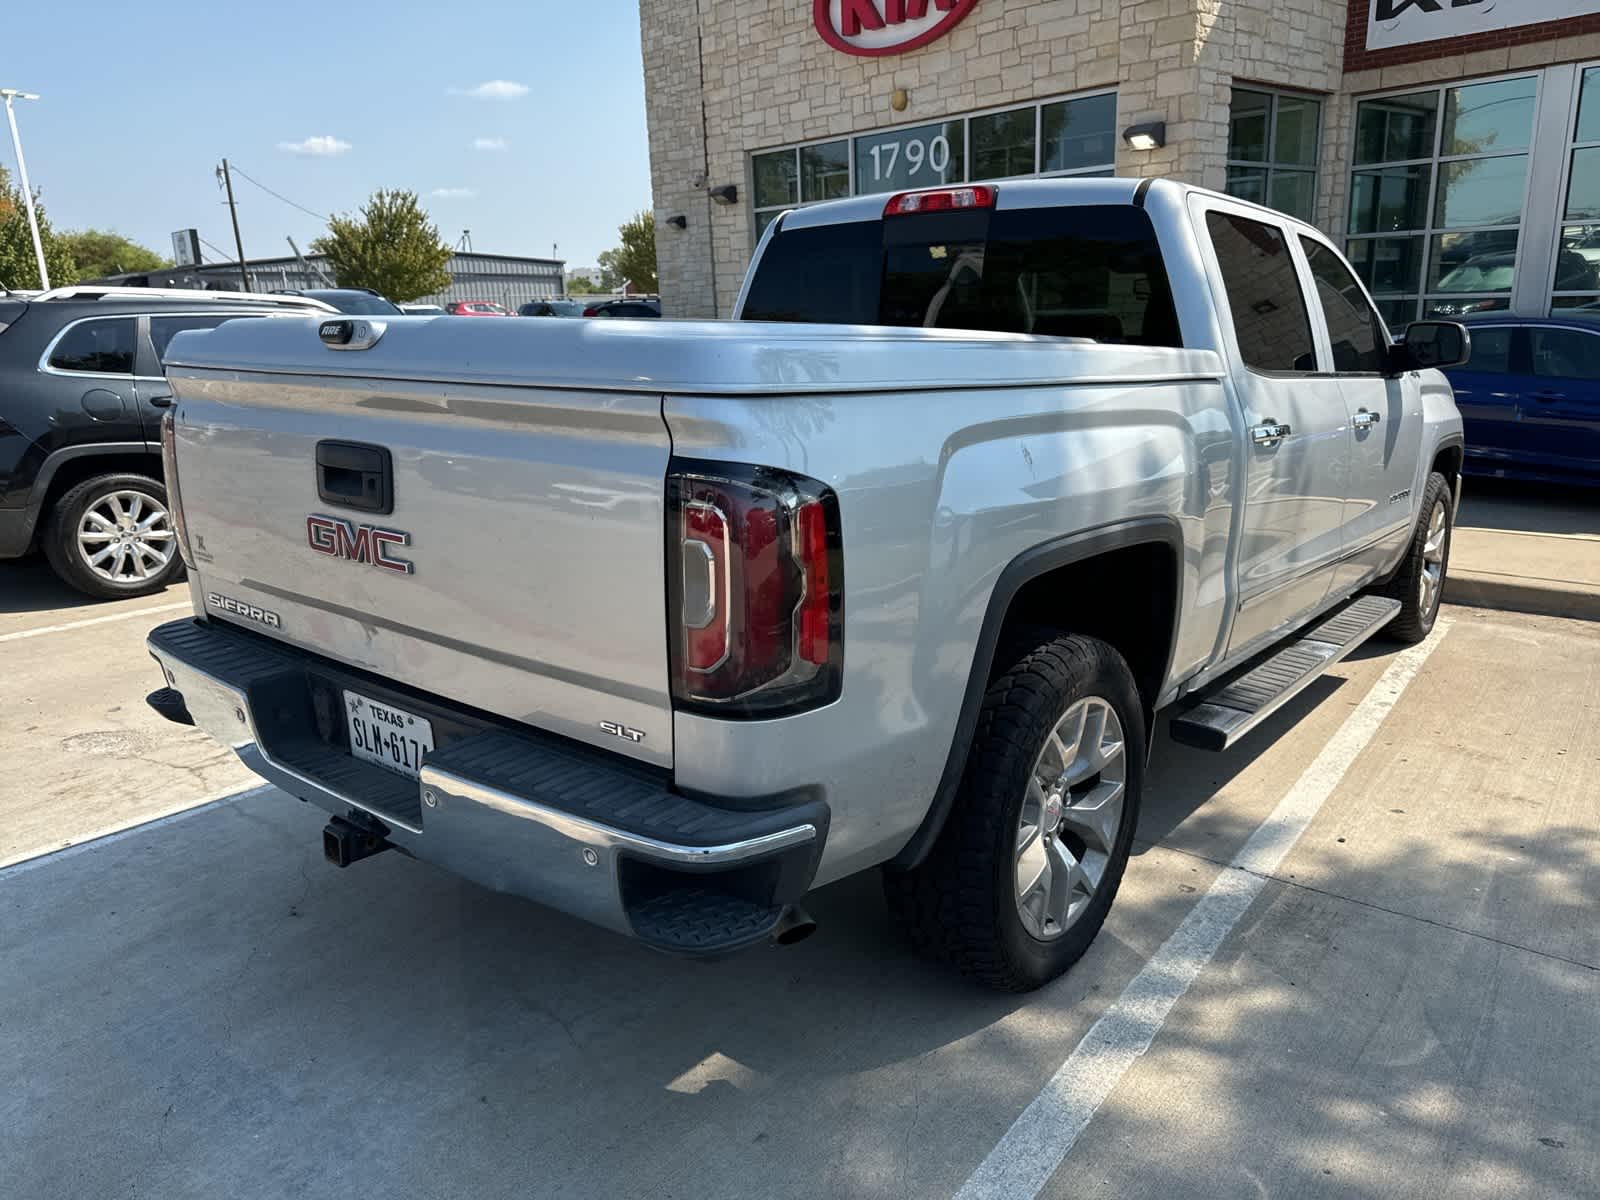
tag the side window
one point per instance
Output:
(1270, 320)
(163, 329)
(1352, 325)
(103, 346)
(1491, 351)
(1565, 354)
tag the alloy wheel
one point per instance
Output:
(126, 537)
(1071, 816)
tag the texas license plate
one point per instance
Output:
(386, 735)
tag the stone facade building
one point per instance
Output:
(1445, 140)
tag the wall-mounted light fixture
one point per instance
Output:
(678, 222)
(1150, 136)
(727, 194)
(899, 99)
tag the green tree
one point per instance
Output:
(635, 260)
(611, 276)
(579, 286)
(390, 247)
(100, 252)
(18, 267)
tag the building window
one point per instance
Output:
(1272, 149)
(1070, 136)
(1437, 194)
(1577, 268)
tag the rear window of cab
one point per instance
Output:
(1092, 271)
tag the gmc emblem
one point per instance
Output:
(368, 544)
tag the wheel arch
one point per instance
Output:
(68, 467)
(1137, 570)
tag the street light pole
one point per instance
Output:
(11, 94)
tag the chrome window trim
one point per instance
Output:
(44, 359)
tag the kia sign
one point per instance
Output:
(1406, 22)
(876, 27)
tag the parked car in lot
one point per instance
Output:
(422, 310)
(476, 308)
(81, 398)
(363, 302)
(1112, 448)
(1530, 398)
(551, 308)
(624, 308)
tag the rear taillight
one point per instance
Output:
(941, 200)
(755, 590)
(169, 468)
(592, 311)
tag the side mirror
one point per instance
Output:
(1434, 344)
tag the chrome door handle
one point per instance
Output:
(1270, 434)
(1365, 419)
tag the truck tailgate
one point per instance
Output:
(532, 520)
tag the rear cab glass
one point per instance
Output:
(1089, 271)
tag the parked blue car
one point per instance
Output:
(1530, 398)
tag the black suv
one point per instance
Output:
(81, 398)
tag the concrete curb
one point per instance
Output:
(1518, 593)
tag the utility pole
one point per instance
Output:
(11, 94)
(238, 242)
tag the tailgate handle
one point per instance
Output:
(355, 475)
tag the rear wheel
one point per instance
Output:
(1031, 856)
(112, 537)
(1419, 584)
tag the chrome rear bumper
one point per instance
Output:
(600, 839)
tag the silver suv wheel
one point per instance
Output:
(1430, 580)
(126, 536)
(1070, 818)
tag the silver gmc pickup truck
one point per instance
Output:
(664, 624)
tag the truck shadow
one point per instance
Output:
(28, 585)
(168, 988)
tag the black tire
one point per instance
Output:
(1419, 608)
(960, 905)
(66, 554)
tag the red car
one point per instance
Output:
(476, 308)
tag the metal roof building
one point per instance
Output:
(509, 279)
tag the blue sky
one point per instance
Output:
(141, 101)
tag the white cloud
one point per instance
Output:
(489, 143)
(452, 193)
(493, 89)
(324, 146)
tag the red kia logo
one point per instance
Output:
(886, 26)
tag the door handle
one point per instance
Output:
(1270, 433)
(160, 401)
(1365, 419)
(1547, 397)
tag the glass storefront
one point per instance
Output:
(1272, 149)
(1437, 194)
(1577, 280)
(1480, 196)
(1073, 135)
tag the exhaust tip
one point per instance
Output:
(794, 926)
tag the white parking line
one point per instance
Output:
(121, 616)
(10, 868)
(1031, 1150)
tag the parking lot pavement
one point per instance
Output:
(84, 755)
(205, 1008)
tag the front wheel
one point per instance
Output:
(1419, 584)
(1028, 862)
(112, 537)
